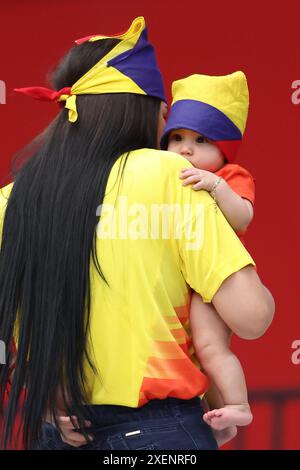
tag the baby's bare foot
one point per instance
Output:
(225, 435)
(230, 415)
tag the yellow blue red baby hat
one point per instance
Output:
(214, 106)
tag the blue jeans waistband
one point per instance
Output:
(107, 415)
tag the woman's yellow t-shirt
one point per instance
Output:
(156, 241)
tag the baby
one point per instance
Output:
(206, 123)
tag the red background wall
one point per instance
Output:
(197, 37)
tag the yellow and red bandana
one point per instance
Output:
(130, 67)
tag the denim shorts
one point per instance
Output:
(169, 424)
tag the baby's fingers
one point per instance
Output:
(199, 185)
(187, 172)
(191, 179)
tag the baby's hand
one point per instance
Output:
(204, 179)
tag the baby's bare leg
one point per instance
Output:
(211, 339)
(214, 398)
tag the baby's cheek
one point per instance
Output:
(172, 148)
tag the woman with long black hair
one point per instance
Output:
(94, 286)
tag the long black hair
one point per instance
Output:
(48, 241)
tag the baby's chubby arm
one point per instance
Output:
(238, 211)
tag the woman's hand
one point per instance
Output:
(70, 434)
(204, 179)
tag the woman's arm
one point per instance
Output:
(245, 304)
(221, 271)
(237, 210)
